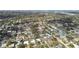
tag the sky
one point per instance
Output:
(39, 4)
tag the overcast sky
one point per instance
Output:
(39, 4)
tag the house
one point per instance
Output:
(76, 31)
